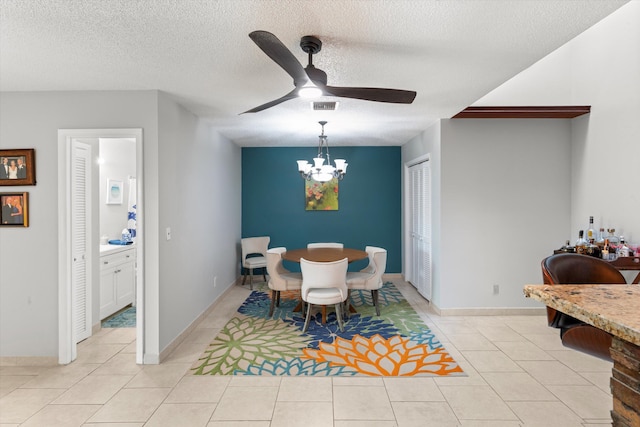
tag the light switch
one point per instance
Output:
(168, 233)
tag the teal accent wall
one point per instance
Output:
(273, 200)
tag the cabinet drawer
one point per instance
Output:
(107, 261)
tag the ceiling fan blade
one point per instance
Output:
(291, 95)
(396, 96)
(282, 56)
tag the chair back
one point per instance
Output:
(324, 275)
(568, 269)
(371, 250)
(325, 245)
(280, 279)
(254, 245)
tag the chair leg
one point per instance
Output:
(251, 278)
(324, 314)
(244, 277)
(306, 322)
(264, 273)
(278, 300)
(273, 300)
(374, 297)
(339, 316)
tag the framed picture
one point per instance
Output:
(114, 192)
(15, 209)
(321, 196)
(18, 167)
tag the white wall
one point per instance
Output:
(199, 199)
(551, 174)
(118, 162)
(200, 181)
(29, 256)
(601, 68)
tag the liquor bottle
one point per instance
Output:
(591, 234)
(581, 244)
(601, 238)
(593, 249)
(613, 242)
(623, 250)
(605, 250)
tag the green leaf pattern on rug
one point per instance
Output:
(247, 340)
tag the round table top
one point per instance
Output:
(324, 254)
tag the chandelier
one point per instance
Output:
(318, 171)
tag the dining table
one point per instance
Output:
(324, 255)
(614, 309)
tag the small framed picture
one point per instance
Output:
(15, 209)
(18, 167)
(114, 192)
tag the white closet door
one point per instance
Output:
(421, 227)
(80, 229)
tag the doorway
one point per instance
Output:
(68, 231)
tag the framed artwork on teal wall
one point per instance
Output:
(321, 196)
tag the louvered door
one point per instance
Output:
(420, 176)
(80, 229)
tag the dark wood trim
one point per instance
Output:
(520, 112)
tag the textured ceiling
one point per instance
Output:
(450, 52)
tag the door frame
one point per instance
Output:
(408, 215)
(66, 346)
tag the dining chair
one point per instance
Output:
(370, 277)
(325, 245)
(324, 283)
(575, 269)
(280, 279)
(256, 246)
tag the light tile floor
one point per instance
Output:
(518, 375)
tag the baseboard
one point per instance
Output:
(28, 361)
(96, 328)
(489, 311)
(181, 337)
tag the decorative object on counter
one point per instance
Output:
(15, 209)
(17, 167)
(319, 171)
(398, 343)
(114, 192)
(126, 236)
(120, 242)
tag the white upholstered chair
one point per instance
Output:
(280, 279)
(324, 283)
(254, 246)
(370, 277)
(325, 245)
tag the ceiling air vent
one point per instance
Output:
(324, 106)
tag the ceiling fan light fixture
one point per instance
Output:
(309, 91)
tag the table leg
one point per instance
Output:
(625, 383)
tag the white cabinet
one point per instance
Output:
(117, 280)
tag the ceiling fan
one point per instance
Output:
(311, 78)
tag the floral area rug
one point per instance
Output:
(397, 343)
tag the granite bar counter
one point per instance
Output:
(614, 309)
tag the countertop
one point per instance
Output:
(612, 308)
(113, 249)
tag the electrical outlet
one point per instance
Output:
(496, 289)
(215, 281)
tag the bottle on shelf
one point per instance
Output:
(613, 241)
(591, 233)
(593, 249)
(623, 250)
(581, 243)
(566, 248)
(601, 237)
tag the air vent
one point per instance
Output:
(324, 106)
